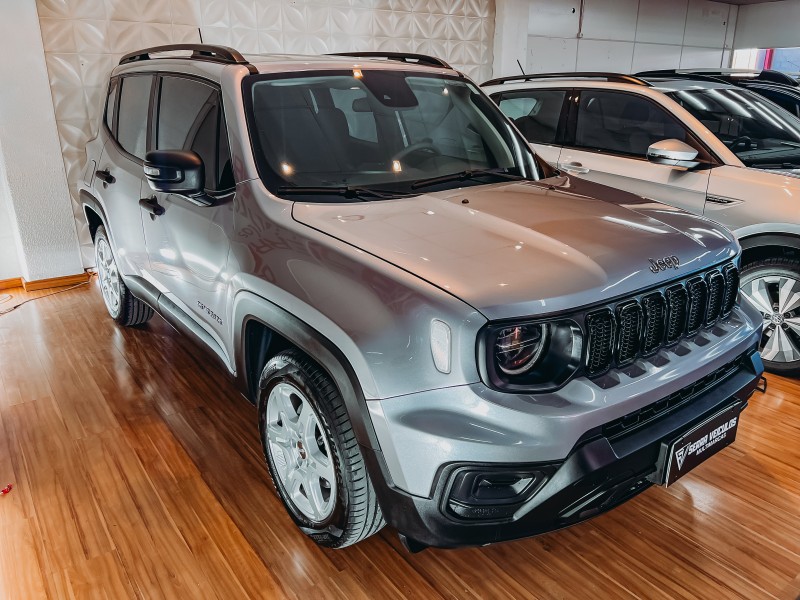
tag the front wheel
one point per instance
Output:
(312, 454)
(773, 286)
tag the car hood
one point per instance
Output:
(528, 248)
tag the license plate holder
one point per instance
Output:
(698, 444)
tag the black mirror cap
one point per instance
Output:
(175, 172)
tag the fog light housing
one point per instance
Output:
(494, 493)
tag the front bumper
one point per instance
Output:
(607, 466)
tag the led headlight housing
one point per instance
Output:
(536, 356)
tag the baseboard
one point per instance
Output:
(43, 284)
(7, 284)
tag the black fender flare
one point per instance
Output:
(92, 203)
(251, 307)
(761, 240)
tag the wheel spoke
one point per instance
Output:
(314, 494)
(788, 295)
(759, 294)
(780, 347)
(794, 324)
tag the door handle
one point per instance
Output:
(573, 167)
(105, 176)
(152, 206)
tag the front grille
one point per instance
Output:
(657, 410)
(600, 341)
(635, 327)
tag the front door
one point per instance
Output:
(188, 243)
(612, 133)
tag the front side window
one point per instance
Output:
(536, 113)
(759, 132)
(134, 102)
(190, 118)
(623, 123)
(385, 130)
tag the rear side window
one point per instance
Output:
(190, 117)
(624, 123)
(134, 102)
(782, 99)
(536, 113)
(111, 103)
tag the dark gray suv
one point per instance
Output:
(438, 330)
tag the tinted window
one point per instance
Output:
(789, 102)
(111, 103)
(134, 101)
(759, 132)
(535, 113)
(190, 118)
(624, 123)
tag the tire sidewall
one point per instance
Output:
(286, 372)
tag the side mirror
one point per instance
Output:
(673, 153)
(177, 172)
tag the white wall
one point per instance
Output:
(620, 35)
(9, 261)
(768, 25)
(33, 190)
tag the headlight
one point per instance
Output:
(530, 356)
(518, 348)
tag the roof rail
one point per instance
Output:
(610, 77)
(673, 74)
(406, 57)
(206, 52)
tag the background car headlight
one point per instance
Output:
(530, 356)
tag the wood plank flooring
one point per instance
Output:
(138, 473)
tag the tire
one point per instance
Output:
(125, 308)
(349, 512)
(762, 282)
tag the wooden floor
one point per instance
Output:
(137, 473)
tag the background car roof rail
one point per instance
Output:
(610, 77)
(406, 57)
(675, 74)
(205, 52)
(727, 75)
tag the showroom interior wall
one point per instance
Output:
(768, 25)
(613, 35)
(37, 232)
(84, 39)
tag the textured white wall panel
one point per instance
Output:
(32, 182)
(84, 39)
(661, 22)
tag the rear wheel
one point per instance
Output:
(773, 286)
(312, 454)
(125, 308)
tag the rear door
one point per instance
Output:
(607, 140)
(119, 176)
(539, 114)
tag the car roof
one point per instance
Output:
(283, 63)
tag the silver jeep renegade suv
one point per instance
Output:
(438, 331)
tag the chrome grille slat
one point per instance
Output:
(638, 327)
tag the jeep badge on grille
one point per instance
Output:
(662, 264)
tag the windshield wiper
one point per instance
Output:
(346, 191)
(464, 175)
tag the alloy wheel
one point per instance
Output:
(300, 452)
(108, 275)
(777, 297)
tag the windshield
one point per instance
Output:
(760, 133)
(389, 132)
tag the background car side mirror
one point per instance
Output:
(177, 172)
(674, 153)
